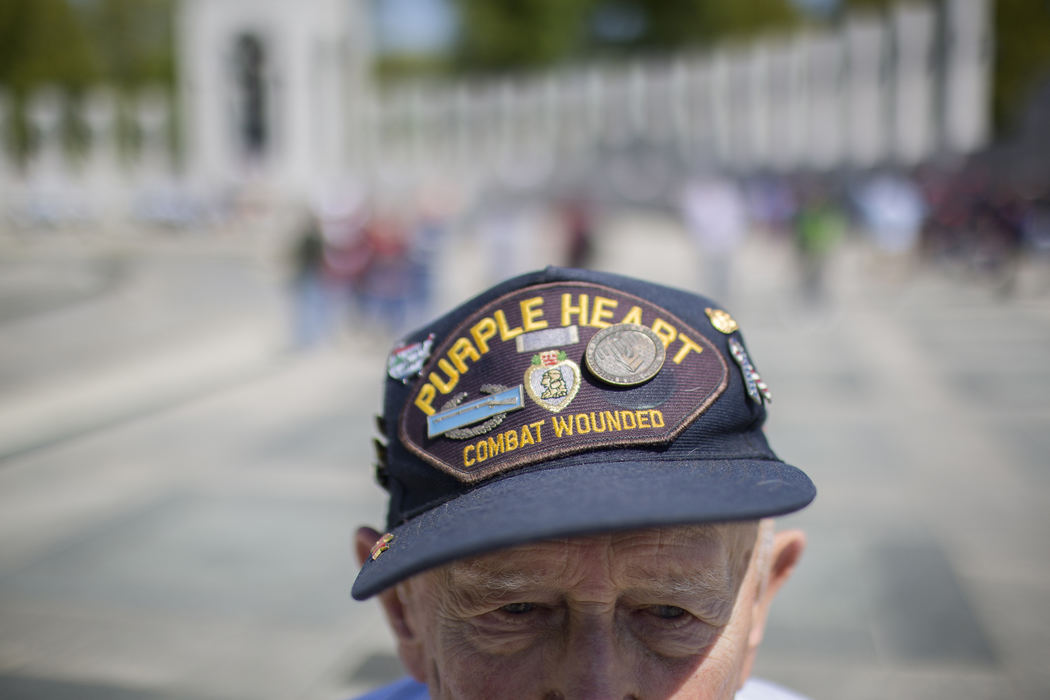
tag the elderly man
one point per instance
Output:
(611, 539)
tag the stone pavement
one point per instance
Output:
(176, 517)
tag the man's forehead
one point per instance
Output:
(672, 550)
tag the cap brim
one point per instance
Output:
(585, 499)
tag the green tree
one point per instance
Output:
(43, 41)
(134, 40)
(519, 34)
(525, 34)
(126, 43)
(1021, 58)
(673, 24)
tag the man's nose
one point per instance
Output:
(596, 664)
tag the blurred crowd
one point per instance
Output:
(961, 220)
(375, 265)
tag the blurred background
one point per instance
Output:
(217, 217)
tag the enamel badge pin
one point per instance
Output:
(406, 362)
(722, 321)
(552, 380)
(381, 545)
(756, 388)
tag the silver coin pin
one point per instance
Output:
(626, 354)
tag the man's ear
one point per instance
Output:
(786, 552)
(397, 606)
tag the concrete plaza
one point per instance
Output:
(178, 490)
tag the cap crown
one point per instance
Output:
(563, 367)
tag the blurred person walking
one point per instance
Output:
(386, 282)
(714, 211)
(893, 210)
(579, 232)
(311, 298)
(425, 238)
(819, 227)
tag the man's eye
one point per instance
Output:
(518, 608)
(667, 612)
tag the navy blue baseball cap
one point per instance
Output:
(569, 402)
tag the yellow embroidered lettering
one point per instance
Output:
(643, 419)
(657, 417)
(561, 426)
(425, 398)
(461, 350)
(512, 440)
(481, 332)
(536, 426)
(627, 418)
(633, 316)
(687, 346)
(504, 332)
(665, 330)
(532, 314)
(482, 451)
(612, 419)
(468, 461)
(583, 424)
(526, 436)
(496, 447)
(602, 311)
(594, 423)
(568, 310)
(453, 377)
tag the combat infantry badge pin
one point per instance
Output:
(455, 416)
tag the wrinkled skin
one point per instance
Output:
(674, 612)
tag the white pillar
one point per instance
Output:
(967, 70)
(596, 96)
(913, 104)
(48, 159)
(679, 98)
(702, 110)
(792, 73)
(8, 167)
(104, 172)
(720, 108)
(636, 99)
(756, 70)
(461, 126)
(152, 117)
(657, 102)
(866, 51)
(9, 175)
(825, 101)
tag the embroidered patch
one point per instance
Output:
(756, 388)
(569, 410)
(406, 361)
(552, 380)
